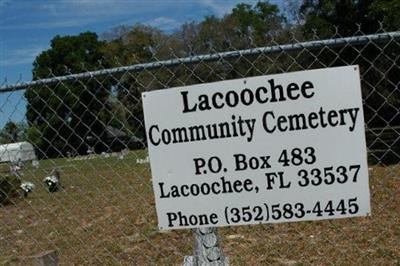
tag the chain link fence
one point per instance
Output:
(92, 200)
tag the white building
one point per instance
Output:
(14, 152)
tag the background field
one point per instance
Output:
(106, 216)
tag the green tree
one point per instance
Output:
(257, 21)
(128, 46)
(244, 27)
(131, 45)
(12, 132)
(348, 15)
(64, 116)
(378, 61)
(387, 11)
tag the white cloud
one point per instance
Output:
(48, 25)
(21, 56)
(217, 7)
(222, 7)
(109, 8)
(4, 2)
(165, 24)
(75, 13)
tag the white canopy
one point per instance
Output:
(14, 152)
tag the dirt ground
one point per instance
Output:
(106, 216)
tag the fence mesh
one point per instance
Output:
(87, 131)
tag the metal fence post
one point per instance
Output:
(207, 250)
(47, 258)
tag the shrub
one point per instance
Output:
(9, 186)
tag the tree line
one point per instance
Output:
(72, 116)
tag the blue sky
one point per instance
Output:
(27, 26)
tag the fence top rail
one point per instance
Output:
(316, 44)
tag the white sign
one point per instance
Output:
(267, 149)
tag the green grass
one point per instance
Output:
(106, 216)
